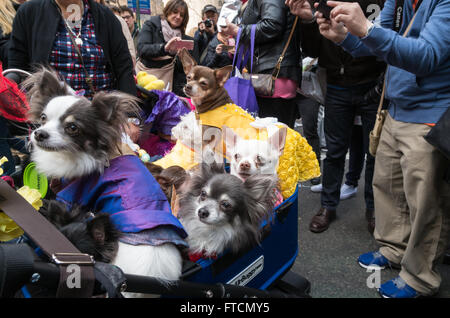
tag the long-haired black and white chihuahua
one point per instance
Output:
(76, 136)
(221, 212)
(80, 140)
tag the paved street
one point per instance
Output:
(328, 259)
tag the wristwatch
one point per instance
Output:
(368, 30)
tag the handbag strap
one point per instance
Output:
(380, 105)
(276, 71)
(52, 242)
(88, 78)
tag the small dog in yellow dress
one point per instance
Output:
(215, 109)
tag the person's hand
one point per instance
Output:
(351, 15)
(170, 46)
(219, 49)
(201, 27)
(330, 29)
(133, 130)
(230, 29)
(302, 8)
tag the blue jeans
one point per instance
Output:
(341, 106)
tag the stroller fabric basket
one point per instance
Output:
(260, 266)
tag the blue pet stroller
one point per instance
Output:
(262, 271)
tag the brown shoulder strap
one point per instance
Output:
(53, 243)
(280, 59)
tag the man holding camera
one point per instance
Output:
(350, 82)
(207, 28)
(412, 198)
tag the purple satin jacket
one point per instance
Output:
(129, 193)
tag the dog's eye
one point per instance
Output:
(189, 77)
(43, 118)
(72, 129)
(204, 84)
(260, 160)
(225, 205)
(203, 195)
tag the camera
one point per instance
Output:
(208, 23)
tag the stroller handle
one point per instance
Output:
(19, 263)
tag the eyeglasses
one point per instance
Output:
(126, 17)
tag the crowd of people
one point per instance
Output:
(360, 46)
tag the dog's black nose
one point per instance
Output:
(41, 135)
(188, 87)
(203, 213)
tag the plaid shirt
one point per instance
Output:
(65, 60)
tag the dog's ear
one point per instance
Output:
(231, 139)
(105, 236)
(101, 229)
(43, 85)
(155, 170)
(222, 74)
(260, 190)
(278, 139)
(187, 60)
(115, 107)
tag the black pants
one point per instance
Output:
(309, 112)
(356, 158)
(341, 106)
(283, 109)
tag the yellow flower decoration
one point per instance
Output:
(298, 163)
(8, 228)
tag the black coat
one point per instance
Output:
(34, 31)
(4, 47)
(151, 44)
(214, 60)
(273, 25)
(342, 68)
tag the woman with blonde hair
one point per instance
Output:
(7, 12)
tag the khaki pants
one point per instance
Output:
(412, 203)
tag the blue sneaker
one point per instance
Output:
(374, 260)
(397, 288)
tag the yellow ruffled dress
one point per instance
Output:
(298, 163)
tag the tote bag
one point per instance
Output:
(164, 73)
(241, 90)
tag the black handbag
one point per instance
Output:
(264, 84)
(438, 136)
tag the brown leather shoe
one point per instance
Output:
(321, 221)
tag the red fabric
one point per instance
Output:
(13, 102)
(194, 257)
(8, 180)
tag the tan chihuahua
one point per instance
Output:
(205, 85)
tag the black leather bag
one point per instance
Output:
(439, 135)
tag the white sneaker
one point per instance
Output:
(317, 188)
(348, 191)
